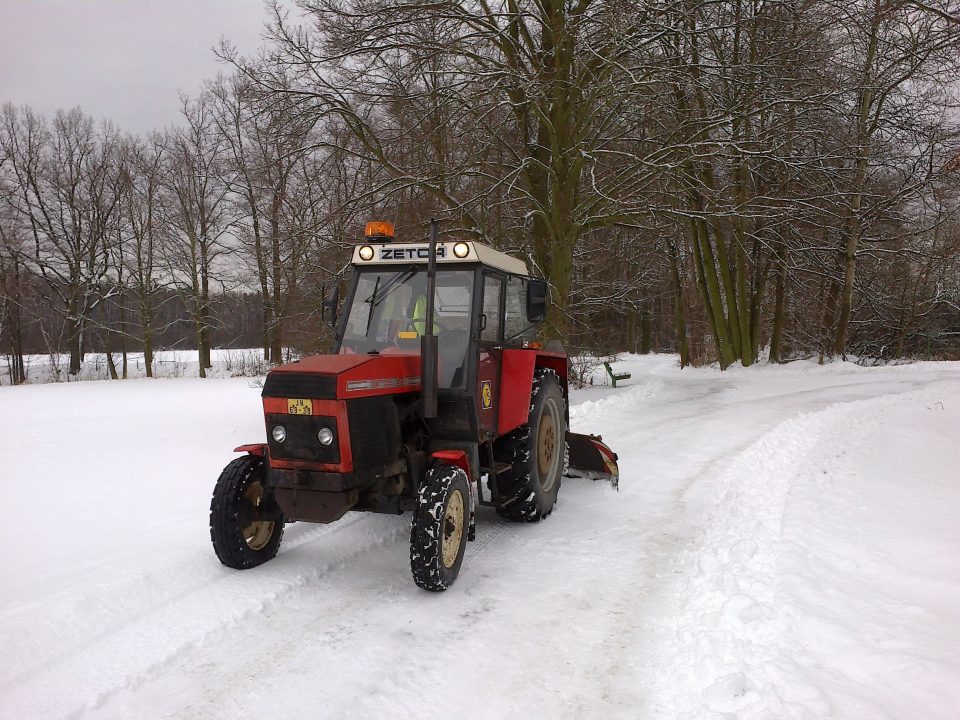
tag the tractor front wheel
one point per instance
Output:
(245, 526)
(438, 533)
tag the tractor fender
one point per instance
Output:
(516, 383)
(454, 457)
(459, 459)
(258, 449)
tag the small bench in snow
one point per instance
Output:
(615, 376)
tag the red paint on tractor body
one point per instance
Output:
(258, 449)
(517, 383)
(363, 375)
(386, 374)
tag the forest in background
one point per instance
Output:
(733, 181)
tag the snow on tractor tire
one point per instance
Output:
(536, 453)
(437, 397)
(438, 533)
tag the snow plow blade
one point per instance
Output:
(591, 458)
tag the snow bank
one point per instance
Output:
(826, 582)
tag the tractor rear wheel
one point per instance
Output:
(438, 532)
(537, 454)
(245, 526)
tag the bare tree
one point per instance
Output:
(144, 164)
(196, 218)
(897, 56)
(266, 145)
(68, 188)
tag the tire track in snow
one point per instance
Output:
(157, 637)
(348, 611)
(617, 688)
(488, 533)
(170, 580)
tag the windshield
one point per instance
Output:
(389, 310)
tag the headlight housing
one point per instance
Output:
(461, 250)
(279, 433)
(366, 252)
(325, 436)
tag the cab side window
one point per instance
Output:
(516, 328)
(492, 289)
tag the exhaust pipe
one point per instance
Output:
(428, 341)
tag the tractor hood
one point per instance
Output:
(329, 377)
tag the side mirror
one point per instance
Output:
(536, 300)
(330, 306)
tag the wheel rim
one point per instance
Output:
(257, 532)
(548, 445)
(452, 529)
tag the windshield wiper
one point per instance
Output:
(373, 304)
(392, 285)
(380, 294)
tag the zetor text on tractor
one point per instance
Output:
(437, 398)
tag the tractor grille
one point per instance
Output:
(374, 431)
(301, 442)
(300, 385)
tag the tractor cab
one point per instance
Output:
(484, 302)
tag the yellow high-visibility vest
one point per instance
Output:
(420, 316)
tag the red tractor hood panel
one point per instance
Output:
(363, 375)
(325, 364)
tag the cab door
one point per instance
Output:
(490, 346)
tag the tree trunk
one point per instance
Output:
(111, 364)
(854, 223)
(123, 336)
(204, 337)
(16, 368)
(74, 337)
(679, 317)
(198, 324)
(276, 266)
(646, 334)
(11, 310)
(146, 322)
(829, 316)
(780, 307)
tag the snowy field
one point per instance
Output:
(227, 362)
(785, 544)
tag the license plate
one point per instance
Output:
(299, 407)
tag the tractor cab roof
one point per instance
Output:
(380, 251)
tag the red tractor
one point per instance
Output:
(437, 398)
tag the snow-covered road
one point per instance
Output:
(784, 545)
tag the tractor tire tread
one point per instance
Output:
(225, 533)
(523, 503)
(426, 528)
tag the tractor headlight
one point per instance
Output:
(461, 249)
(325, 436)
(366, 252)
(279, 433)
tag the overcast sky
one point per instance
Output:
(124, 60)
